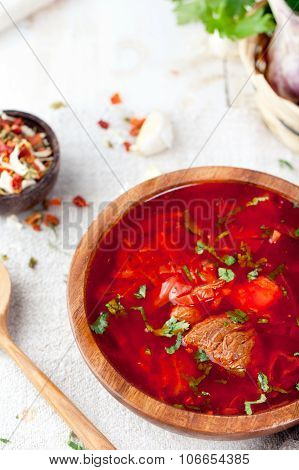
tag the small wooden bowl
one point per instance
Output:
(15, 203)
(216, 427)
(280, 115)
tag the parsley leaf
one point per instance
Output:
(4, 441)
(141, 293)
(172, 349)
(285, 164)
(226, 275)
(296, 232)
(253, 275)
(115, 307)
(229, 260)
(233, 19)
(187, 273)
(32, 262)
(248, 409)
(237, 316)
(297, 386)
(74, 443)
(101, 323)
(172, 327)
(201, 356)
(278, 270)
(263, 381)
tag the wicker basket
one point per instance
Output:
(280, 115)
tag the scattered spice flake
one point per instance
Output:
(55, 201)
(285, 164)
(32, 262)
(51, 220)
(79, 201)
(4, 258)
(103, 124)
(57, 105)
(34, 220)
(127, 146)
(116, 98)
(136, 125)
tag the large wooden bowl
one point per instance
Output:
(15, 203)
(221, 427)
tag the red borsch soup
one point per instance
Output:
(193, 297)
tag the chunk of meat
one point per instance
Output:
(256, 295)
(191, 315)
(224, 342)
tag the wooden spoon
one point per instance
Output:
(82, 427)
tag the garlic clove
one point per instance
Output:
(15, 163)
(6, 182)
(155, 135)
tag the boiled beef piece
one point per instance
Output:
(225, 343)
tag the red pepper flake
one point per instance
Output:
(34, 220)
(51, 220)
(136, 125)
(17, 182)
(127, 146)
(55, 201)
(103, 124)
(116, 98)
(79, 201)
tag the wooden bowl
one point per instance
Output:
(221, 427)
(280, 115)
(15, 203)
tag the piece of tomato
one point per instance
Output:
(256, 295)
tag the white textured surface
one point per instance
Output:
(86, 50)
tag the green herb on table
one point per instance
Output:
(252, 275)
(263, 382)
(141, 293)
(172, 349)
(4, 441)
(187, 273)
(256, 200)
(100, 325)
(201, 356)
(32, 262)
(248, 404)
(237, 316)
(115, 307)
(74, 443)
(226, 275)
(285, 164)
(233, 19)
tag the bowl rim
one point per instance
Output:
(40, 123)
(184, 421)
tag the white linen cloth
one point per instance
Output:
(19, 9)
(91, 49)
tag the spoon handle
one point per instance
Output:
(82, 427)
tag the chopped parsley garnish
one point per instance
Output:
(190, 224)
(141, 293)
(263, 382)
(237, 316)
(172, 349)
(223, 234)
(201, 356)
(296, 232)
(229, 260)
(32, 262)
(278, 270)
(172, 327)
(187, 273)
(148, 351)
(115, 307)
(263, 320)
(248, 404)
(285, 164)
(200, 275)
(256, 200)
(201, 247)
(226, 275)
(101, 323)
(4, 441)
(297, 386)
(253, 275)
